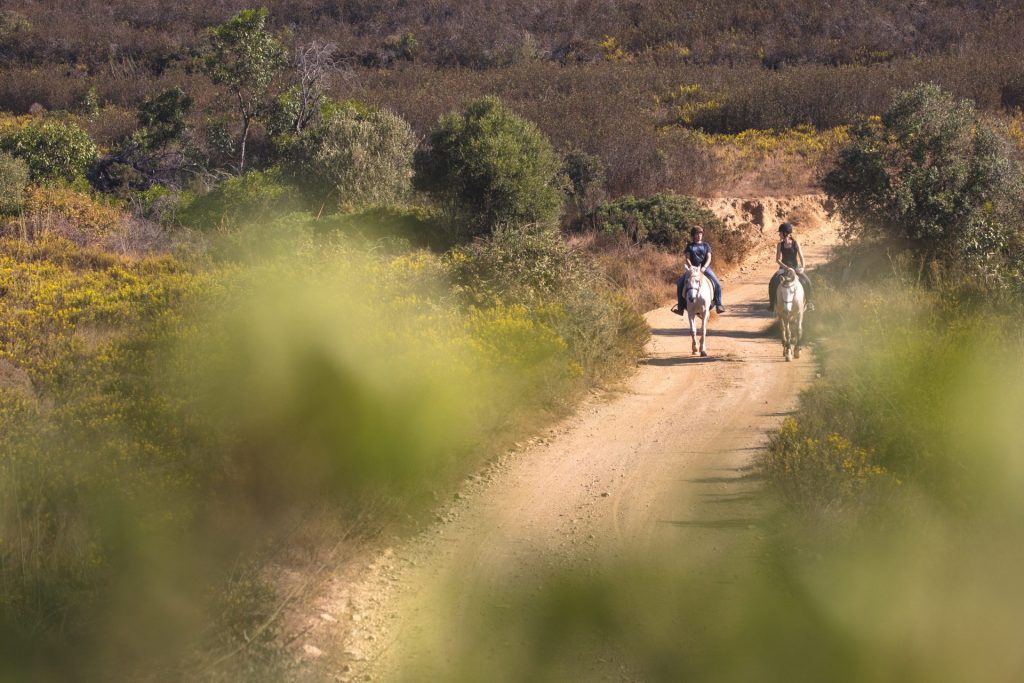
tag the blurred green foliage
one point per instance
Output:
(918, 388)
(164, 419)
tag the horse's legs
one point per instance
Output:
(784, 326)
(704, 332)
(799, 332)
(693, 332)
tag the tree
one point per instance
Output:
(491, 167)
(246, 58)
(153, 153)
(314, 62)
(932, 173)
(355, 157)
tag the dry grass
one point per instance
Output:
(645, 274)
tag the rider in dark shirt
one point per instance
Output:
(698, 253)
(789, 257)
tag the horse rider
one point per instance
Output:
(789, 257)
(698, 254)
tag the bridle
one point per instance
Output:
(693, 283)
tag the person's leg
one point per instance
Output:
(680, 285)
(716, 284)
(806, 282)
(773, 290)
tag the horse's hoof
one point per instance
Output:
(704, 354)
(796, 354)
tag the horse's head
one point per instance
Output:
(791, 291)
(693, 281)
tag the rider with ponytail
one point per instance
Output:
(789, 256)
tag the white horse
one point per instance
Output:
(698, 305)
(789, 307)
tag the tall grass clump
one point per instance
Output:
(13, 183)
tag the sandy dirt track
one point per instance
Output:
(666, 460)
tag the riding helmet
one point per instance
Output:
(786, 228)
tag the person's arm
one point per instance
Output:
(707, 261)
(689, 256)
(799, 256)
(778, 254)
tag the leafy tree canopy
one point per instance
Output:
(931, 172)
(244, 56)
(491, 167)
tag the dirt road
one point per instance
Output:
(665, 461)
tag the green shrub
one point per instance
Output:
(514, 266)
(533, 267)
(664, 220)
(415, 225)
(354, 158)
(491, 167)
(52, 150)
(13, 181)
(253, 197)
(935, 175)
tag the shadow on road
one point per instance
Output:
(728, 498)
(750, 476)
(741, 334)
(669, 361)
(738, 523)
(670, 331)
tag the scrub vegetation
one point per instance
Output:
(261, 266)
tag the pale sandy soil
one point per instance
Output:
(664, 462)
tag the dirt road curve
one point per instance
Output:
(666, 461)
